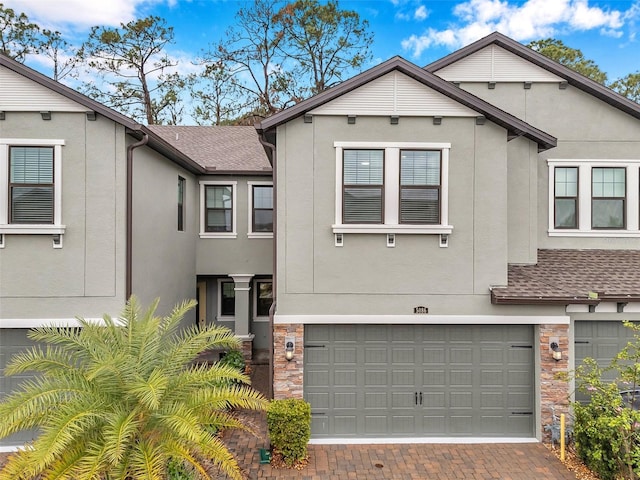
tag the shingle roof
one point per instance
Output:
(228, 149)
(567, 276)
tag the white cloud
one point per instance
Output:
(529, 20)
(421, 13)
(82, 14)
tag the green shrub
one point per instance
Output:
(177, 470)
(289, 424)
(233, 358)
(606, 431)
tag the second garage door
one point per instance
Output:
(419, 380)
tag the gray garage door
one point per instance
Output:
(600, 340)
(419, 380)
(12, 341)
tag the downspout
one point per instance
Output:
(274, 283)
(129, 242)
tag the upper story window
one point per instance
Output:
(363, 189)
(420, 186)
(566, 197)
(260, 209)
(218, 212)
(608, 195)
(31, 186)
(594, 198)
(392, 187)
(181, 190)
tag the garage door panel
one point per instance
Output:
(319, 400)
(403, 399)
(461, 425)
(375, 355)
(403, 378)
(345, 333)
(461, 356)
(489, 355)
(403, 355)
(403, 424)
(434, 399)
(434, 378)
(375, 378)
(376, 424)
(465, 384)
(491, 378)
(345, 355)
(373, 400)
(433, 356)
(461, 378)
(345, 424)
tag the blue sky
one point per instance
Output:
(607, 31)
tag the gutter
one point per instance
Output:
(129, 210)
(272, 310)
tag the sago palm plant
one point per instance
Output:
(123, 398)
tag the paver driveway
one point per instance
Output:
(521, 461)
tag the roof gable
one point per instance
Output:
(394, 94)
(495, 64)
(570, 76)
(20, 94)
(515, 126)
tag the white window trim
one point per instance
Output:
(234, 210)
(256, 318)
(219, 316)
(251, 233)
(584, 198)
(392, 190)
(32, 229)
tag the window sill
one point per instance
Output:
(260, 235)
(225, 319)
(261, 319)
(11, 229)
(218, 235)
(397, 229)
(595, 233)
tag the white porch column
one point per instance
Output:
(242, 288)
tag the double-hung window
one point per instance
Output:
(392, 187)
(31, 186)
(420, 186)
(260, 209)
(608, 194)
(594, 197)
(566, 197)
(218, 209)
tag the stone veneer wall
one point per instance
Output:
(247, 350)
(554, 392)
(288, 376)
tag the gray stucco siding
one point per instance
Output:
(242, 254)
(475, 259)
(163, 257)
(88, 271)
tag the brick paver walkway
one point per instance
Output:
(529, 461)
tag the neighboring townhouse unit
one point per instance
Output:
(95, 207)
(234, 246)
(448, 240)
